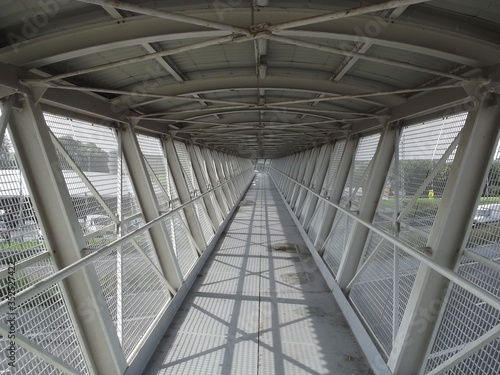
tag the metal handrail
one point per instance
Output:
(446, 272)
(33, 290)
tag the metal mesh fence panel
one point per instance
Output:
(181, 243)
(307, 200)
(94, 150)
(421, 148)
(20, 234)
(206, 177)
(372, 294)
(130, 205)
(45, 321)
(194, 190)
(179, 238)
(337, 240)
(360, 169)
(466, 317)
(428, 140)
(331, 173)
(108, 275)
(157, 169)
(144, 293)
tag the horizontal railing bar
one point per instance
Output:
(60, 275)
(26, 262)
(443, 271)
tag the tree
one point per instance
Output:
(7, 158)
(87, 155)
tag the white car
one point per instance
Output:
(486, 213)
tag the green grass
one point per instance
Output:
(16, 245)
(426, 202)
(489, 200)
(99, 241)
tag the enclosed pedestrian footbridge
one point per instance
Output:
(250, 187)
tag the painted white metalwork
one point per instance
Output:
(468, 284)
(133, 286)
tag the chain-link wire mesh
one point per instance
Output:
(43, 320)
(466, 317)
(84, 148)
(359, 172)
(421, 147)
(20, 234)
(206, 177)
(194, 190)
(337, 239)
(326, 188)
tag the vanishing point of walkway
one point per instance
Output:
(260, 305)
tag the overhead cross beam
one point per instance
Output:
(167, 15)
(344, 13)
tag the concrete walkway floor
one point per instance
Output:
(260, 305)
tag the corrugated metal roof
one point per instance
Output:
(290, 77)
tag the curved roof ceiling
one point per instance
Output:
(260, 78)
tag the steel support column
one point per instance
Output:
(452, 223)
(149, 206)
(57, 217)
(227, 174)
(215, 181)
(308, 174)
(222, 179)
(337, 190)
(204, 186)
(308, 157)
(297, 167)
(317, 183)
(367, 207)
(293, 166)
(183, 191)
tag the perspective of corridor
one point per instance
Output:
(249, 187)
(260, 305)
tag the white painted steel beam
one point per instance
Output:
(469, 349)
(314, 159)
(309, 159)
(228, 195)
(115, 64)
(339, 182)
(5, 116)
(344, 13)
(339, 51)
(353, 252)
(221, 157)
(204, 186)
(477, 291)
(33, 347)
(105, 36)
(193, 223)
(62, 233)
(453, 219)
(316, 185)
(215, 182)
(150, 207)
(83, 176)
(154, 12)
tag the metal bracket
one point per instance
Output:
(38, 92)
(478, 89)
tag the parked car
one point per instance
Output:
(96, 222)
(486, 214)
